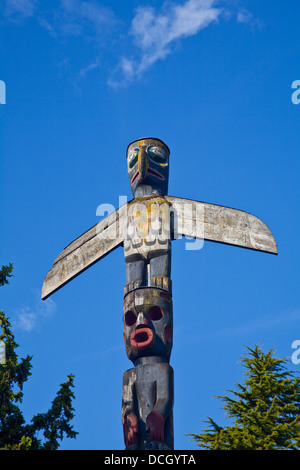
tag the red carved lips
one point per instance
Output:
(142, 337)
(149, 172)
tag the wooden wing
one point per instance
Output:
(90, 247)
(220, 224)
(192, 219)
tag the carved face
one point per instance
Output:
(148, 165)
(148, 323)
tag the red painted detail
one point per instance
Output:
(142, 338)
(164, 295)
(135, 177)
(130, 429)
(150, 172)
(155, 425)
(168, 331)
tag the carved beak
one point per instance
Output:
(143, 163)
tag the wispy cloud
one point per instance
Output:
(30, 317)
(89, 68)
(68, 17)
(151, 36)
(79, 15)
(246, 17)
(155, 33)
(21, 8)
(86, 19)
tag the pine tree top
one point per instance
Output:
(264, 410)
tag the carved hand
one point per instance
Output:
(155, 424)
(130, 428)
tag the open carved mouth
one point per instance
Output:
(149, 172)
(142, 338)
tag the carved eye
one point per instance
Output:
(155, 313)
(130, 318)
(133, 158)
(158, 155)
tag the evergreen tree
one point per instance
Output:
(265, 409)
(5, 272)
(15, 434)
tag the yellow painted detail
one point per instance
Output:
(143, 163)
(150, 216)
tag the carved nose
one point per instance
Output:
(141, 320)
(143, 163)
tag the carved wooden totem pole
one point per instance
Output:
(147, 314)
(145, 227)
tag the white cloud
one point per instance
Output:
(30, 317)
(154, 33)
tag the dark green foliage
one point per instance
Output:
(265, 410)
(55, 422)
(15, 434)
(5, 272)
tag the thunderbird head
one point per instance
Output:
(148, 167)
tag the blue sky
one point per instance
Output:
(212, 79)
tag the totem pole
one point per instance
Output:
(145, 227)
(147, 314)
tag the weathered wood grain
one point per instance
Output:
(221, 224)
(92, 232)
(192, 219)
(86, 250)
